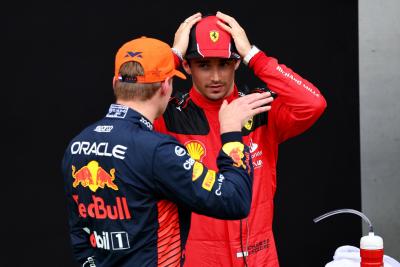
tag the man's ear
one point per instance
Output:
(186, 67)
(165, 86)
(114, 81)
(237, 63)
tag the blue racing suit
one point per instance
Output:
(131, 190)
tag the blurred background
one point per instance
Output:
(59, 62)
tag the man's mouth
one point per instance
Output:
(216, 86)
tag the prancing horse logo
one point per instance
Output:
(214, 36)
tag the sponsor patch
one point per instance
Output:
(196, 149)
(117, 111)
(100, 210)
(146, 123)
(103, 128)
(252, 146)
(220, 180)
(89, 262)
(93, 176)
(214, 36)
(198, 169)
(180, 151)
(110, 240)
(100, 149)
(254, 248)
(235, 151)
(188, 163)
(249, 124)
(209, 180)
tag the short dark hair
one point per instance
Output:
(130, 91)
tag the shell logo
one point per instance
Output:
(196, 150)
(197, 170)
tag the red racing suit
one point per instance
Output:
(193, 120)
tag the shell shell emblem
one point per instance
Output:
(198, 169)
(196, 150)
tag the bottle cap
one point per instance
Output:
(371, 241)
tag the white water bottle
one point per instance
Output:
(371, 245)
(371, 250)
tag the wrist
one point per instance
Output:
(253, 51)
(177, 53)
(230, 127)
(234, 136)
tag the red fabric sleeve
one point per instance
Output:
(299, 103)
(177, 61)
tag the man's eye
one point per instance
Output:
(224, 64)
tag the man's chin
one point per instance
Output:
(215, 96)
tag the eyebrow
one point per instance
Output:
(221, 60)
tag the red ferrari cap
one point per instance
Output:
(207, 39)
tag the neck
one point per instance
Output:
(146, 108)
(204, 102)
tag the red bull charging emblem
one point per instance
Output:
(93, 176)
(235, 151)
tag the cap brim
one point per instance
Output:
(213, 53)
(179, 74)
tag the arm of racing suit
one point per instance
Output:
(225, 194)
(299, 103)
(78, 237)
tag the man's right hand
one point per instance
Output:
(238, 34)
(233, 116)
(181, 40)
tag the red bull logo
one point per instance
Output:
(247, 161)
(93, 176)
(98, 209)
(235, 151)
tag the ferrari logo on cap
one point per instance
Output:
(214, 36)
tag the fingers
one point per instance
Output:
(181, 39)
(253, 104)
(190, 21)
(261, 100)
(258, 110)
(194, 16)
(225, 27)
(227, 22)
(224, 104)
(255, 98)
(238, 34)
(234, 115)
(228, 19)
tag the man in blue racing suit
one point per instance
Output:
(130, 190)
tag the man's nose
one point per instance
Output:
(215, 75)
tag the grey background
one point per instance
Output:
(379, 57)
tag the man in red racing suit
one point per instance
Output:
(211, 58)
